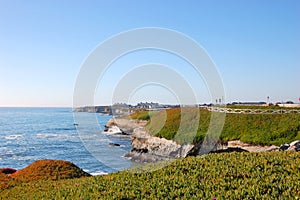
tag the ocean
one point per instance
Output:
(30, 134)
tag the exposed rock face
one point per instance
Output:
(147, 148)
(113, 130)
(295, 146)
(251, 147)
(272, 148)
(126, 125)
(284, 147)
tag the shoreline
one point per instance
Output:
(149, 148)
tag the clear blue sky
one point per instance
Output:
(255, 45)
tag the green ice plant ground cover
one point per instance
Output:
(263, 129)
(273, 175)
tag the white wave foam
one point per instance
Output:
(45, 135)
(53, 135)
(115, 135)
(100, 173)
(13, 137)
(24, 158)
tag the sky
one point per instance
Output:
(255, 46)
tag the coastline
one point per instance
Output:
(148, 148)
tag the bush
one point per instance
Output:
(48, 170)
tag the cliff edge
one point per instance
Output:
(146, 147)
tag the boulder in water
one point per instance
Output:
(113, 130)
(114, 144)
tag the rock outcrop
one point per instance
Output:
(284, 147)
(95, 109)
(147, 148)
(114, 144)
(251, 147)
(127, 126)
(294, 146)
(112, 130)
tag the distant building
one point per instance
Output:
(154, 106)
(147, 105)
(249, 103)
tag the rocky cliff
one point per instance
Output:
(95, 109)
(126, 125)
(147, 148)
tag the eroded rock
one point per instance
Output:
(284, 147)
(127, 126)
(294, 146)
(148, 148)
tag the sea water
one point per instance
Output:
(30, 134)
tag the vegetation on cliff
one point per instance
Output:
(273, 175)
(264, 129)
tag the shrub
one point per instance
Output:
(49, 170)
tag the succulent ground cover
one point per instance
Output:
(273, 175)
(41, 170)
(264, 129)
